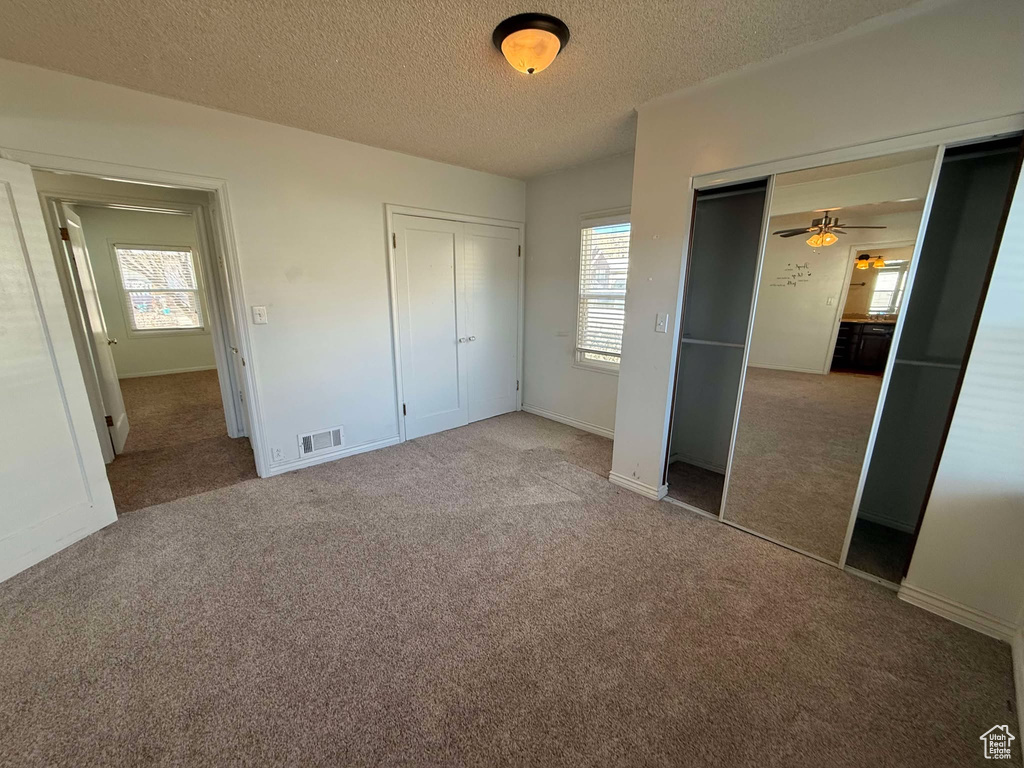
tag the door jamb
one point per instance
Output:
(841, 302)
(210, 281)
(226, 245)
(390, 211)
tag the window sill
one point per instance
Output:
(164, 332)
(596, 368)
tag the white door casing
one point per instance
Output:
(99, 340)
(55, 489)
(491, 281)
(428, 269)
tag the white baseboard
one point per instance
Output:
(977, 620)
(1018, 677)
(888, 522)
(586, 426)
(281, 467)
(816, 371)
(696, 462)
(166, 372)
(650, 491)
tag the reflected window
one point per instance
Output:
(890, 282)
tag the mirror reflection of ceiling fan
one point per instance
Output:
(824, 231)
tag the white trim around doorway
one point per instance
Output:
(225, 245)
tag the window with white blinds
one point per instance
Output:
(604, 262)
(160, 287)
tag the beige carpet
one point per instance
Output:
(478, 597)
(696, 486)
(177, 442)
(880, 550)
(799, 449)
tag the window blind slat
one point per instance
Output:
(604, 264)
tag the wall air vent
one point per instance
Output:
(320, 442)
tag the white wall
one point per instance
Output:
(955, 64)
(142, 355)
(794, 323)
(308, 219)
(554, 385)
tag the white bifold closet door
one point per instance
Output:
(458, 326)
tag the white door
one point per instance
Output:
(491, 280)
(55, 488)
(428, 269)
(99, 341)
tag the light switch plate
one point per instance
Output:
(259, 315)
(661, 323)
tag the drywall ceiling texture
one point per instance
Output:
(421, 77)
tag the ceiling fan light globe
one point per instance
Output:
(829, 239)
(815, 240)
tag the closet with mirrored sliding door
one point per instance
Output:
(827, 320)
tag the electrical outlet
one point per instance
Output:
(278, 454)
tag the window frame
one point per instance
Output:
(589, 221)
(200, 290)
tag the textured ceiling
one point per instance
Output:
(421, 77)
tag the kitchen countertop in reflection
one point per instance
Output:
(877, 319)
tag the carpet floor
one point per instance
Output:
(480, 597)
(880, 550)
(799, 448)
(696, 486)
(177, 442)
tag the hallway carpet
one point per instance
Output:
(479, 597)
(177, 442)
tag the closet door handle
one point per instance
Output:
(472, 338)
(463, 340)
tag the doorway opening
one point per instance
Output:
(148, 300)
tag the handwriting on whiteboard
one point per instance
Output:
(794, 275)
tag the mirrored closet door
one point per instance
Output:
(805, 422)
(725, 242)
(816, 419)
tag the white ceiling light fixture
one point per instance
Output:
(531, 41)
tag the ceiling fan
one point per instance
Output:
(824, 231)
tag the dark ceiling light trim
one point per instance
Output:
(531, 41)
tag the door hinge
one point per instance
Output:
(404, 412)
(520, 251)
(517, 385)
(394, 240)
(64, 235)
(110, 421)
